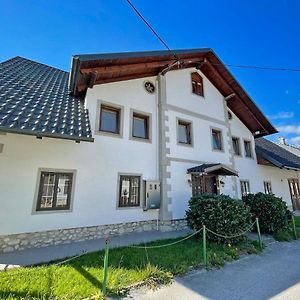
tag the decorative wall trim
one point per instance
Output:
(17, 242)
(194, 114)
(163, 130)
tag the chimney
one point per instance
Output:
(281, 140)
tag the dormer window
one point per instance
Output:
(197, 84)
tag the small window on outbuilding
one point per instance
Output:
(197, 84)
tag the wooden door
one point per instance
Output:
(295, 192)
(204, 185)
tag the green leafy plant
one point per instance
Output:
(221, 214)
(271, 211)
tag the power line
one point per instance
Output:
(152, 29)
(259, 67)
(228, 65)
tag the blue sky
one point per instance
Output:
(257, 32)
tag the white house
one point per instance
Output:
(122, 142)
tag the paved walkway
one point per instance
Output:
(40, 255)
(274, 274)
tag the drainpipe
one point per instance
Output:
(163, 150)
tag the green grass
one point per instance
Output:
(82, 277)
(287, 235)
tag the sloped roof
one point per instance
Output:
(291, 148)
(92, 69)
(214, 168)
(34, 100)
(276, 155)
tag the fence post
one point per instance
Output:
(204, 246)
(105, 266)
(258, 233)
(294, 227)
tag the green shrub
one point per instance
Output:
(221, 214)
(271, 211)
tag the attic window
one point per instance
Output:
(197, 84)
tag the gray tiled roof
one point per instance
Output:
(34, 100)
(276, 154)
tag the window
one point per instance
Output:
(54, 191)
(197, 84)
(140, 126)
(248, 150)
(110, 119)
(245, 188)
(184, 132)
(236, 146)
(268, 187)
(129, 191)
(216, 139)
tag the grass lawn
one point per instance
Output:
(288, 234)
(82, 277)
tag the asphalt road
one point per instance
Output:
(274, 274)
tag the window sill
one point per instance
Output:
(218, 150)
(185, 145)
(137, 139)
(109, 134)
(45, 212)
(128, 207)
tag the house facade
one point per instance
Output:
(122, 142)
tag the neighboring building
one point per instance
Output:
(291, 148)
(149, 131)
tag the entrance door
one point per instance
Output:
(295, 193)
(204, 185)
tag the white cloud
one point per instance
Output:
(295, 140)
(282, 115)
(295, 129)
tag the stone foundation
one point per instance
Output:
(14, 242)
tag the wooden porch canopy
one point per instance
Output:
(213, 169)
(89, 70)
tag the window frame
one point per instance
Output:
(111, 106)
(146, 116)
(119, 189)
(268, 182)
(220, 132)
(36, 209)
(247, 182)
(198, 82)
(189, 131)
(239, 145)
(251, 150)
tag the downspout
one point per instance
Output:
(163, 150)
